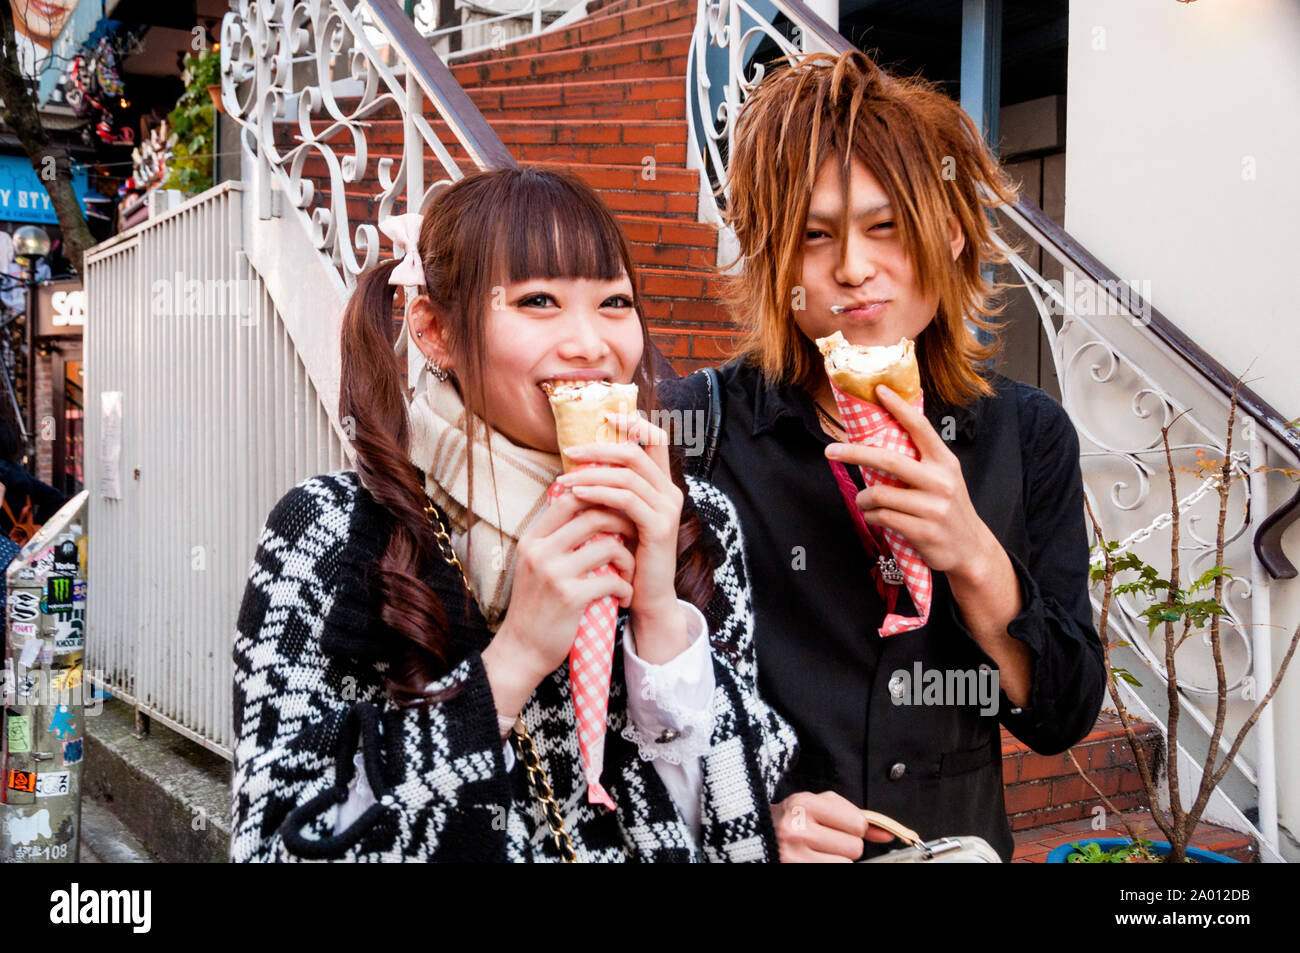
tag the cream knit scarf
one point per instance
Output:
(510, 484)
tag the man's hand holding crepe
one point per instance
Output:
(933, 511)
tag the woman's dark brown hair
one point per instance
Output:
(488, 229)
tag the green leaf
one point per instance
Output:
(1207, 578)
(1125, 675)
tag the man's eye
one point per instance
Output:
(619, 301)
(538, 300)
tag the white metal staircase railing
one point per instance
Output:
(324, 69)
(1124, 371)
(265, 44)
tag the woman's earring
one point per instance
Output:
(439, 372)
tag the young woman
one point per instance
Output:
(402, 685)
(860, 202)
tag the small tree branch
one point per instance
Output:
(1139, 753)
(1133, 835)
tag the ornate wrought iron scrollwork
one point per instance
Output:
(305, 81)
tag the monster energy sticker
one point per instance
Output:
(58, 594)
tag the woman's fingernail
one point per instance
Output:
(833, 451)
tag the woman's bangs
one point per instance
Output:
(557, 232)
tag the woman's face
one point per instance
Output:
(548, 328)
(41, 20)
(874, 278)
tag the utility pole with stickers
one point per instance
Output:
(46, 694)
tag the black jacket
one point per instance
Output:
(822, 665)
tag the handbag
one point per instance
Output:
(942, 850)
(523, 741)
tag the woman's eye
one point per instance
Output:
(617, 301)
(538, 300)
(883, 225)
(813, 233)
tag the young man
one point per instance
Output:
(859, 201)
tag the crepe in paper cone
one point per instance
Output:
(856, 371)
(580, 408)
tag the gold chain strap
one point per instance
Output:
(537, 778)
(522, 739)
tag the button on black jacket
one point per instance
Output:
(822, 664)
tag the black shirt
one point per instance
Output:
(822, 663)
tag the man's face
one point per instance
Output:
(874, 278)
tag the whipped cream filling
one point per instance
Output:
(866, 361)
(587, 390)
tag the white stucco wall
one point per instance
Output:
(1182, 146)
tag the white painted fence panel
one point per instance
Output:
(220, 419)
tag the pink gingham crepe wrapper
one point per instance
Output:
(591, 660)
(872, 425)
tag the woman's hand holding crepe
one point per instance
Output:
(633, 479)
(552, 588)
(933, 511)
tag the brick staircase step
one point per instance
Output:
(573, 92)
(1033, 846)
(625, 59)
(1046, 789)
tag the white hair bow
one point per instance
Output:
(404, 230)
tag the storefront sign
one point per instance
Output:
(60, 309)
(22, 193)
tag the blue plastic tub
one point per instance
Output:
(1161, 847)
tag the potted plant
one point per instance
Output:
(1180, 613)
(193, 126)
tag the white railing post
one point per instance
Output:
(735, 72)
(413, 144)
(1262, 646)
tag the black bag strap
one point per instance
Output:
(701, 467)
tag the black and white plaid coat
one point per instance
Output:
(309, 653)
